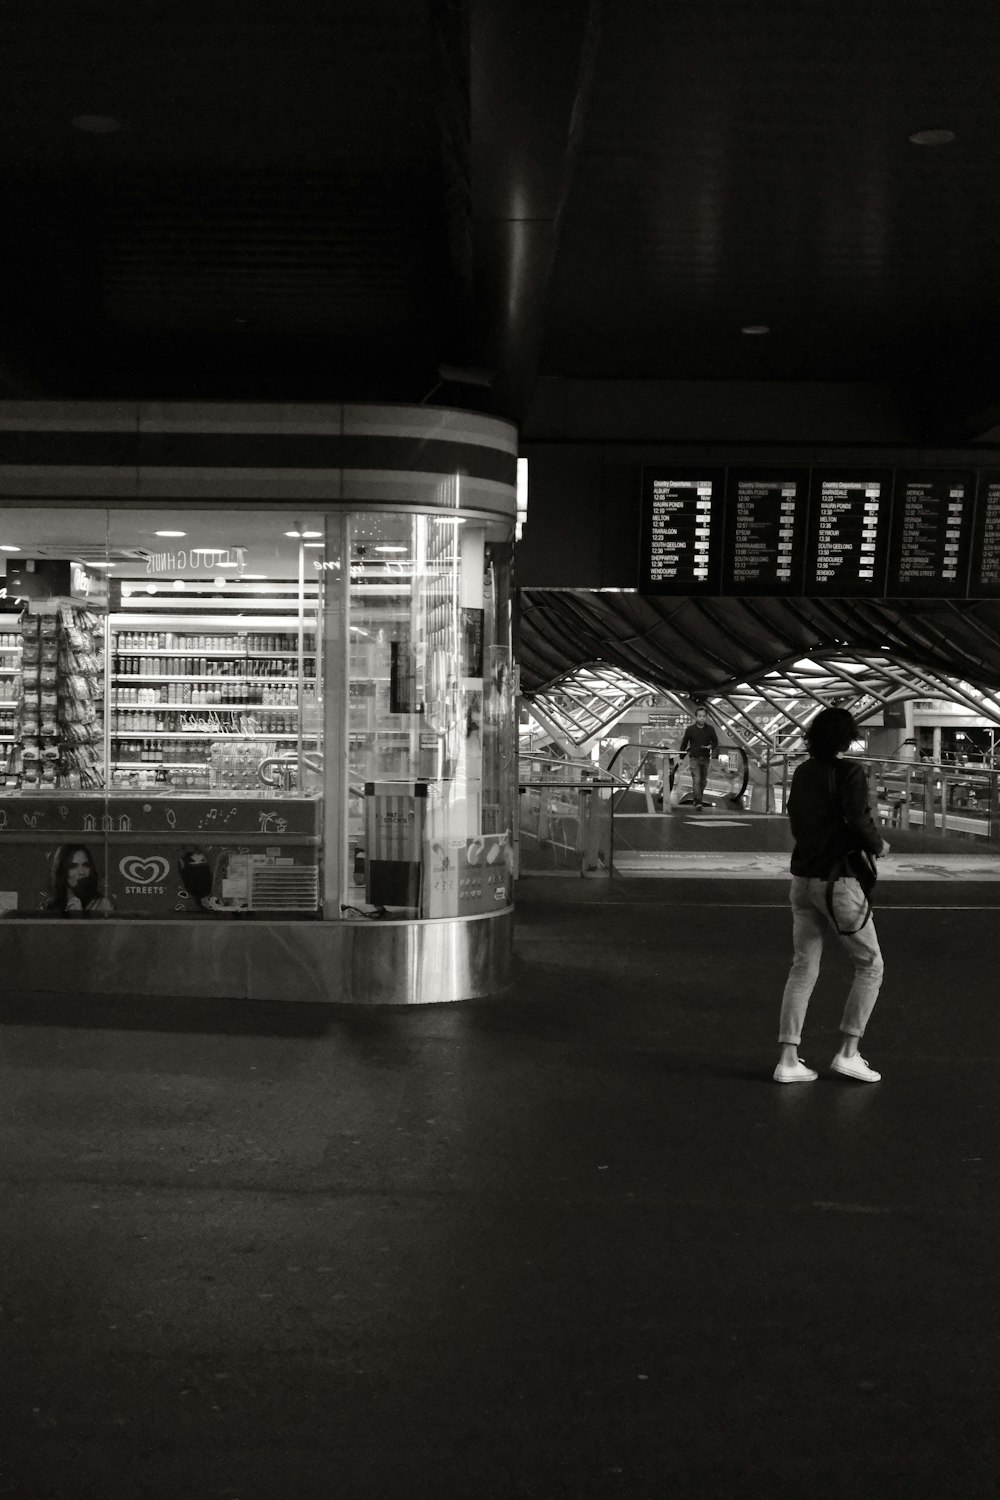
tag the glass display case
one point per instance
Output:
(239, 712)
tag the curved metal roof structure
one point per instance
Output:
(766, 664)
(703, 646)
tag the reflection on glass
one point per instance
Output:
(431, 716)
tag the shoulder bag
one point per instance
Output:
(856, 864)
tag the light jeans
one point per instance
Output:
(699, 775)
(810, 925)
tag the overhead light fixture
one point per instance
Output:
(293, 533)
(932, 138)
(178, 583)
(103, 565)
(6, 547)
(312, 533)
(389, 547)
(314, 544)
(220, 583)
(755, 329)
(254, 577)
(171, 533)
(96, 124)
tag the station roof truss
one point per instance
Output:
(765, 667)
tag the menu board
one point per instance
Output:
(984, 576)
(932, 516)
(849, 517)
(764, 539)
(680, 531)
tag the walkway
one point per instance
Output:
(569, 1243)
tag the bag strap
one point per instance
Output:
(841, 870)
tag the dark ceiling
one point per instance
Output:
(328, 198)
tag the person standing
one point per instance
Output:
(831, 820)
(701, 742)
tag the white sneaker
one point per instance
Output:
(796, 1072)
(854, 1067)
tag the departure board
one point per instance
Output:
(849, 518)
(680, 531)
(764, 539)
(932, 519)
(984, 575)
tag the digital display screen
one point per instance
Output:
(849, 519)
(680, 531)
(932, 518)
(984, 579)
(765, 531)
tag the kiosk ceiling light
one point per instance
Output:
(7, 547)
(755, 330)
(171, 533)
(312, 533)
(178, 583)
(390, 547)
(932, 138)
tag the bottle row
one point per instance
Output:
(10, 640)
(253, 641)
(277, 721)
(266, 693)
(8, 723)
(202, 666)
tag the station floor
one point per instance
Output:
(565, 1243)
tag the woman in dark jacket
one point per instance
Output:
(831, 818)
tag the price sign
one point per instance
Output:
(680, 531)
(932, 523)
(765, 531)
(849, 517)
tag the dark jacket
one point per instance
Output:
(700, 741)
(830, 815)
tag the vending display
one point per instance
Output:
(11, 698)
(680, 531)
(849, 519)
(932, 529)
(203, 704)
(765, 531)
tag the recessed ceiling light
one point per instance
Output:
(293, 533)
(254, 577)
(932, 137)
(96, 124)
(220, 583)
(171, 533)
(103, 565)
(178, 583)
(314, 544)
(390, 547)
(312, 533)
(755, 328)
(6, 547)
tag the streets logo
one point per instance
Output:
(144, 877)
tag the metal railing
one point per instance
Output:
(935, 797)
(566, 809)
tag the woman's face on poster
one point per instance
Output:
(78, 868)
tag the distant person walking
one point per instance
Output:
(700, 742)
(831, 822)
